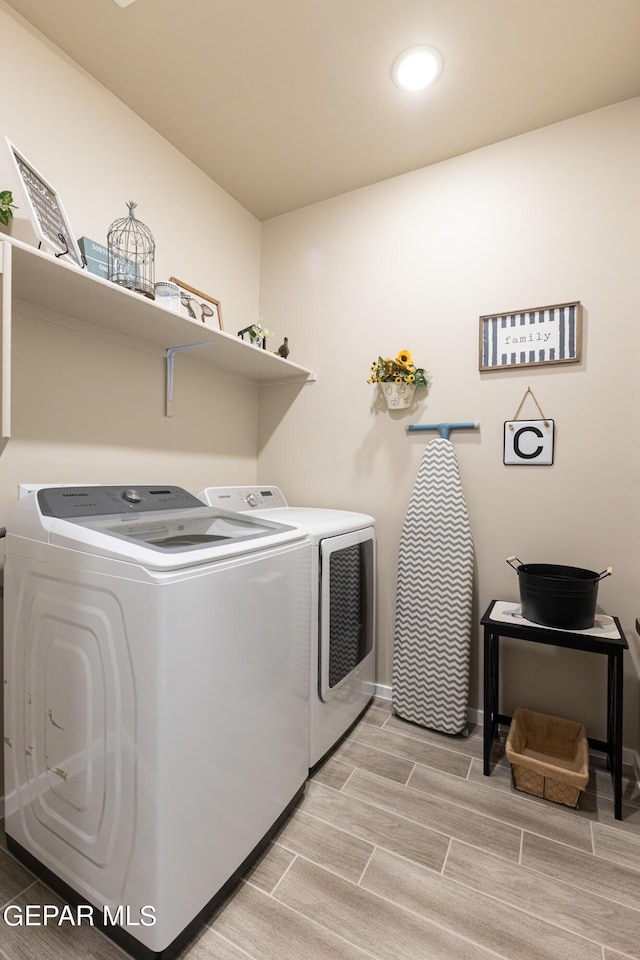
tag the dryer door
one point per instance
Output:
(346, 607)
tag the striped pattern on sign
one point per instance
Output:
(549, 335)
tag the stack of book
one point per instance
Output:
(97, 257)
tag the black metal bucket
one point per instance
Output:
(557, 596)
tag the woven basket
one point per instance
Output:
(549, 756)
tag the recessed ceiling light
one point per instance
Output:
(417, 68)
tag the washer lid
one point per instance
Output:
(180, 530)
(161, 528)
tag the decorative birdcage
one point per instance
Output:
(132, 254)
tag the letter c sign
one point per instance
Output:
(528, 442)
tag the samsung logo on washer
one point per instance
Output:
(51, 915)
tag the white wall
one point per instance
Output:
(85, 408)
(412, 262)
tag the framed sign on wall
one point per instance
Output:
(530, 338)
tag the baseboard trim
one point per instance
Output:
(630, 757)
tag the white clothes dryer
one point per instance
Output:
(156, 699)
(342, 674)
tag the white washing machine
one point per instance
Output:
(156, 699)
(342, 676)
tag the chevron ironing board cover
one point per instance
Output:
(433, 606)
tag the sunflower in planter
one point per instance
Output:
(398, 379)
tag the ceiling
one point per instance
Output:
(287, 102)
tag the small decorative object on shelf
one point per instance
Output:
(96, 257)
(198, 305)
(132, 254)
(257, 334)
(168, 295)
(398, 379)
(7, 206)
(283, 349)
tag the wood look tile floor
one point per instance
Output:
(402, 850)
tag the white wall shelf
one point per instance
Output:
(38, 278)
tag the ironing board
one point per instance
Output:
(433, 607)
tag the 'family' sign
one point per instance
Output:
(529, 338)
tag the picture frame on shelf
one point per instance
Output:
(48, 218)
(198, 305)
(531, 338)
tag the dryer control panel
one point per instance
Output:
(245, 498)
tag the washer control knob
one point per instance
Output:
(252, 500)
(132, 496)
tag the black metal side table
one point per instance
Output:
(502, 619)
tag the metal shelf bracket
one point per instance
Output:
(171, 354)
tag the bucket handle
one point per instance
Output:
(601, 576)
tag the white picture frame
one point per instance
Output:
(46, 211)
